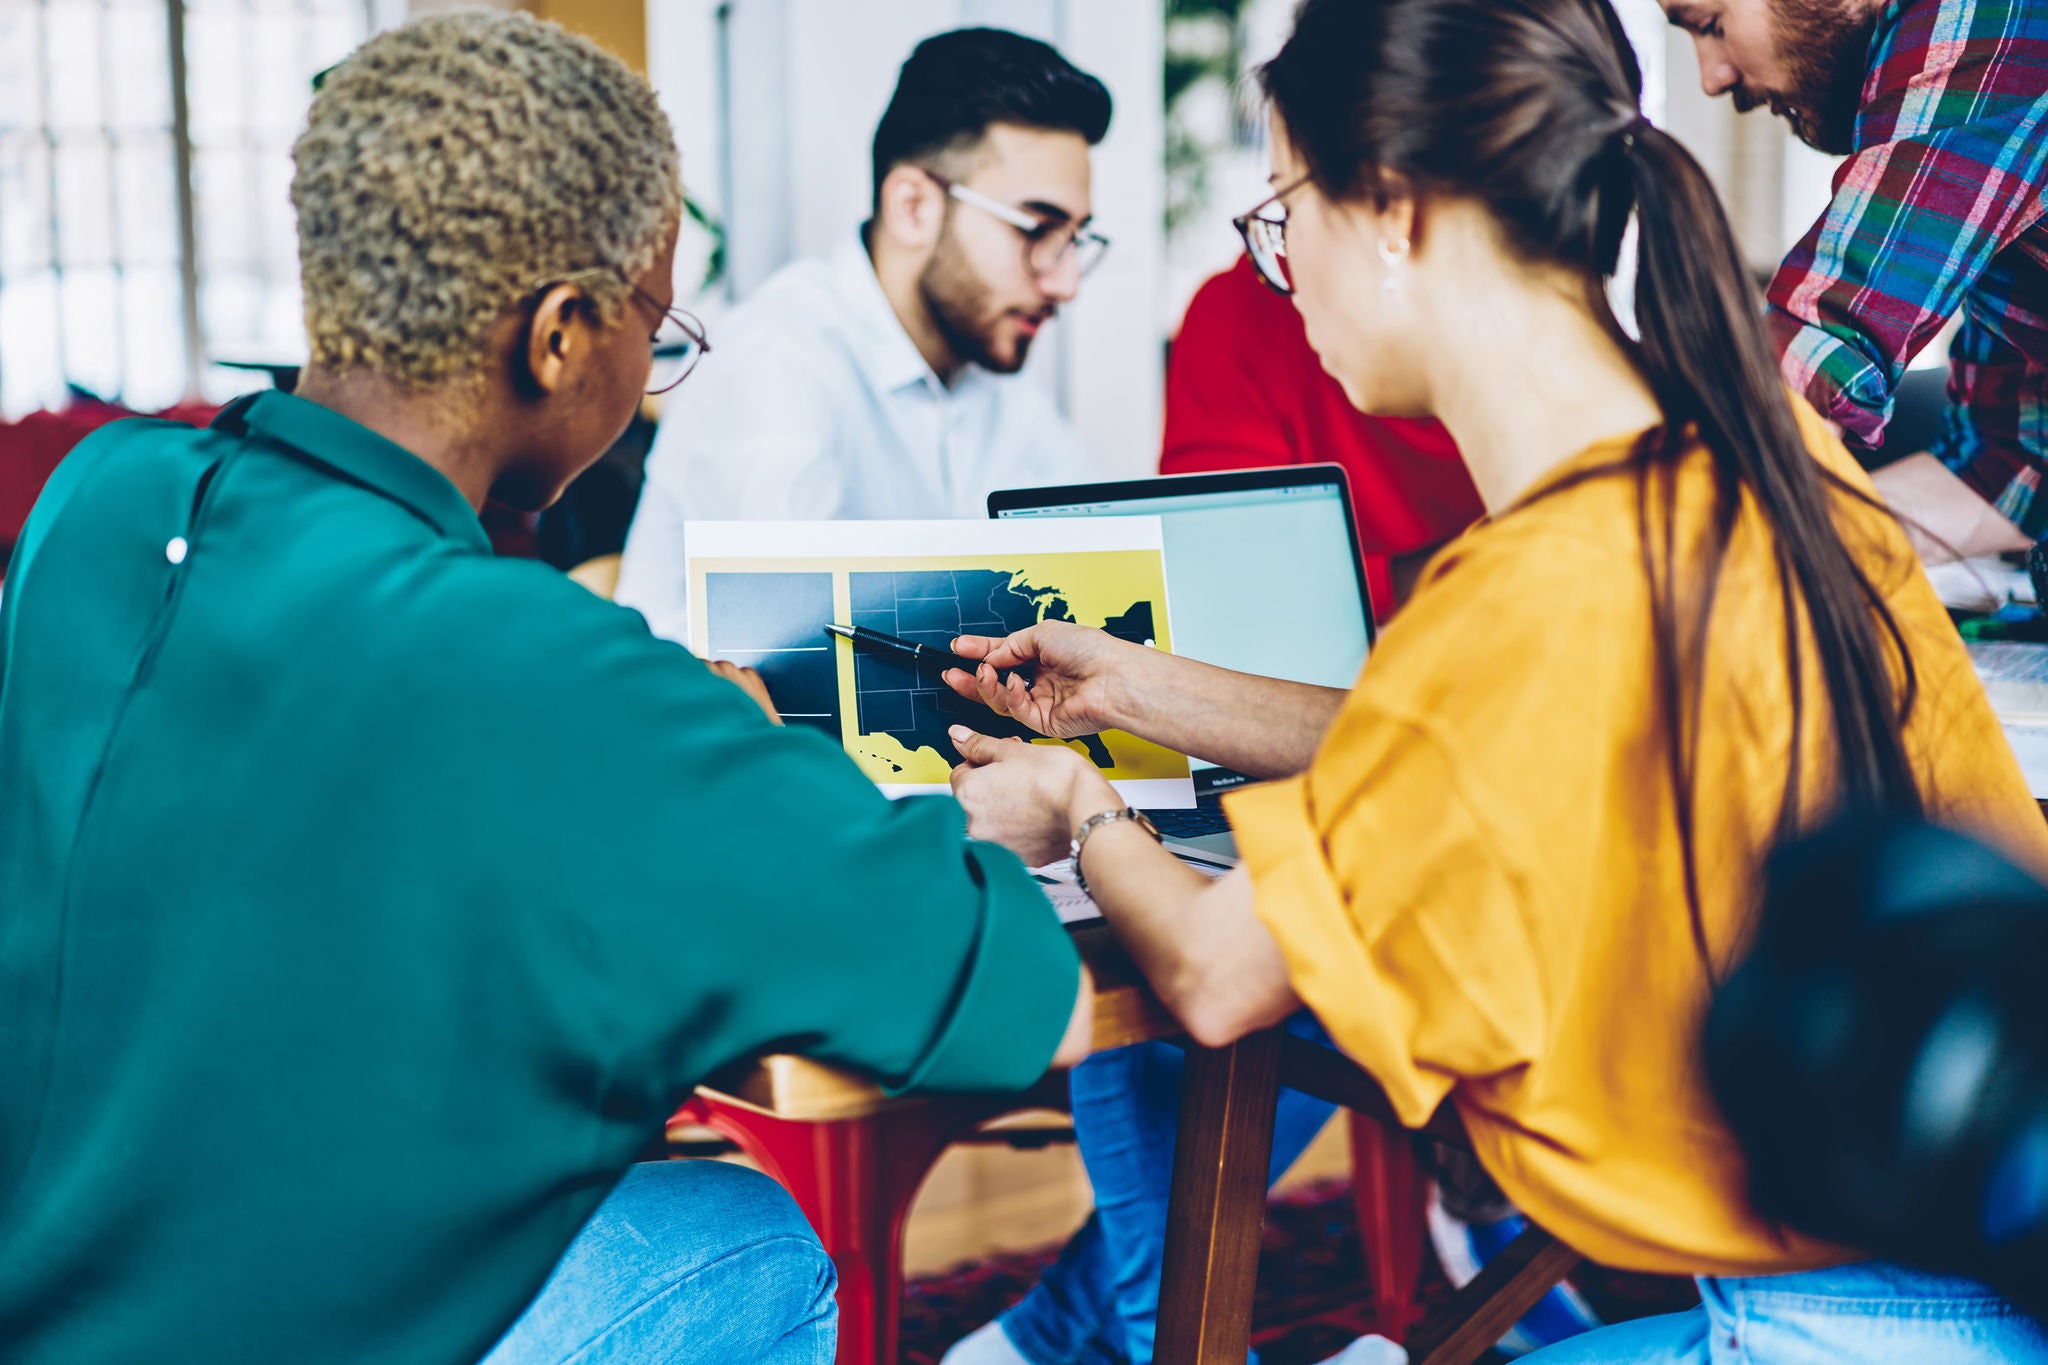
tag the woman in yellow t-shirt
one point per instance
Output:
(1508, 869)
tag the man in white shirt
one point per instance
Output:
(883, 382)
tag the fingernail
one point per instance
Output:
(959, 732)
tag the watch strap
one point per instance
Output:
(1096, 822)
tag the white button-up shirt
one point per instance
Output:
(814, 404)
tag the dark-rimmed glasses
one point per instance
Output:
(1048, 243)
(679, 339)
(1264, 230)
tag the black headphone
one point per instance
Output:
(1882, 1055)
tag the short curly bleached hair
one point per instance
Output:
(451, 165)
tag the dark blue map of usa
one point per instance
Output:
(775, 622)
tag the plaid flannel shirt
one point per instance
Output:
(1943, 206)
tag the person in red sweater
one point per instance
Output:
(1243, 390)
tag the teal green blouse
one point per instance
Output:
(367, 902)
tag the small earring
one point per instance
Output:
(1392, 253)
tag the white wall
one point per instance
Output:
(782, 158)
(1237, 177)
(1774, 186)
(778, 148)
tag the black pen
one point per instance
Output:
(863, 638)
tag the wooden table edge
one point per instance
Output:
(786, 1086)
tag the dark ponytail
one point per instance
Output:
(1706, 357)
(1705, 354)
(1530, 107)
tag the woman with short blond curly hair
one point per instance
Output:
(370, 902)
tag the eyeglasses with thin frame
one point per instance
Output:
(1048, 243)
(1264, 230)
(679, 340)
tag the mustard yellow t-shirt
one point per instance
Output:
(1478, 883)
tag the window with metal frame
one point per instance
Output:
(145, 223)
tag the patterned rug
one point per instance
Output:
(1311, 1296)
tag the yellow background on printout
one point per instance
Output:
(1095, 584)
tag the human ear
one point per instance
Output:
(1397, 223)
(912, 208)
(551, 336)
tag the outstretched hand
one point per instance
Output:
(1079, 674)
(1025, 796)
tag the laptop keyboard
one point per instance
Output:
(1206, 818)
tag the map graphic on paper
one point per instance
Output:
(761, 595)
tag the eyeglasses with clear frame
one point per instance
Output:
(1264, 230)
(679, 340)
(1048, 243)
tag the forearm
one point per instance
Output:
(1944, 517)
(1199, 943)
(1264, 727)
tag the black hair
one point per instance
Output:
(1532, 109)
(957, 84)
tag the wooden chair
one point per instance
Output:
(1217, 1212)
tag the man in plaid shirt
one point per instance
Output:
(1942, 108)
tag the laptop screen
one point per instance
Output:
(1262, 567)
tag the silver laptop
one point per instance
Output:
(1266, 578)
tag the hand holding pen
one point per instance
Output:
(875, 642)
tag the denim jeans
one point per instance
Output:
(685, 1263)
(1872, 1313)
(1099, 1304)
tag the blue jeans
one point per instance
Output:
(1858, 1313)
(1099, 1304)
(685, 1263)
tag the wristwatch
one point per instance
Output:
(1095, 822)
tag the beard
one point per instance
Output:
(959, 302)
(1825, 45)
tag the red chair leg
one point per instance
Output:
(1389, 1189)
(855, 1180)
